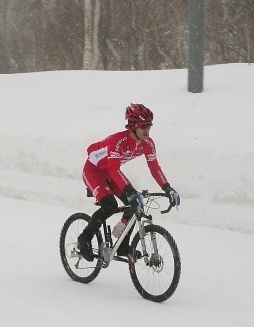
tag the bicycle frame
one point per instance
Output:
(109, 254)
(112, 252)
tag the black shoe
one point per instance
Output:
(85, 247)
(124, 252)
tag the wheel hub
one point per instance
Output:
(156, 262)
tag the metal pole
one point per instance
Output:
(196, 46)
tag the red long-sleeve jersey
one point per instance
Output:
(119, 148)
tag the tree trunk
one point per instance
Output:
(91, 55)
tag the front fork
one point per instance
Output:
(141, 227)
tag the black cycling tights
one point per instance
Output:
(108, 208)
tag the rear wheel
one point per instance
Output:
(156, 279)
(74, 264)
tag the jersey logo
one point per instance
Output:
(151, 157)
(114, 154)
(97, 155)
(118, 144)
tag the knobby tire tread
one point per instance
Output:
(177, 265)
(68, 269)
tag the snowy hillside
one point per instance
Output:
(205, 147)
(204, 141)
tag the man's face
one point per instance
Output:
(142, 131)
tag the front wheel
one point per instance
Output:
(156, 276)
(74, 264)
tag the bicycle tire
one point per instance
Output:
(74, 264)
(156, 281)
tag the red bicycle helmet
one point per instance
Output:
(136, 112)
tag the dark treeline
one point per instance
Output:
(39, 35)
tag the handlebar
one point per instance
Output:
(147, 194)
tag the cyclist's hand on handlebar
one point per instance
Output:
(173, 196)
(132, 196)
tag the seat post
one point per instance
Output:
(107, 234)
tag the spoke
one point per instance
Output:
(156, 280)
(75, 265)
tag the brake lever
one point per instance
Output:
(176, 196)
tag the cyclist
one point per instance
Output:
(105, 180)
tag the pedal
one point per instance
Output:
(75, 254)
(72, 251)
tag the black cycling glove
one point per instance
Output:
(173, 196)
(131, 195)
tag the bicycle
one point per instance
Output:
(155, 275)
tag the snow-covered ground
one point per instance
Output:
(205, 147)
